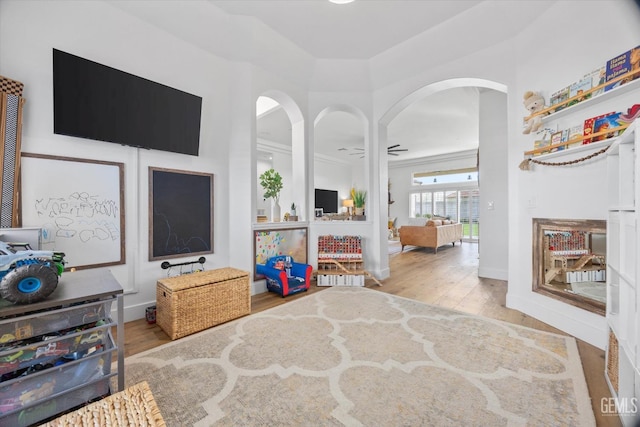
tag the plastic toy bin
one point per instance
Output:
(24, 327)
(60, 403)
(39, 389)
(193, 302)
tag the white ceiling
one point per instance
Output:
(358, 30)
(443, 122)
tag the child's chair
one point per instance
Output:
(284, 276)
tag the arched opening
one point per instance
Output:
(341, 158)
(486, 120)
(280, 146)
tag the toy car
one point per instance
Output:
(28, 276)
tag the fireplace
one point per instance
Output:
(569, 261)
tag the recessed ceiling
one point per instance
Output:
(358, 30)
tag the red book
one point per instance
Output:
(588, 127)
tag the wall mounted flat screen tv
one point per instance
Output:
(327, 200)
(94, 101)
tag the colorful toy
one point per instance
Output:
(284, 276)
(28, 276)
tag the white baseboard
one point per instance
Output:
(493, 273)
(586, 326)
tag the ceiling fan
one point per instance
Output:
(392, 150)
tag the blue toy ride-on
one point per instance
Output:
(28, 276)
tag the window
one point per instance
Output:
(435, 203)
(446, 177)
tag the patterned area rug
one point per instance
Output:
(357, 356)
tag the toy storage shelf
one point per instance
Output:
(340, 262)
(623, 273)
(56, 354)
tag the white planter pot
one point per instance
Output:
(275, 212)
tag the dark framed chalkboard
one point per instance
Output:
(180, 213)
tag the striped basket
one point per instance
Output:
(193, 302)
(612, 361)
(134, 406)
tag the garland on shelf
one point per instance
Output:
(525, 165)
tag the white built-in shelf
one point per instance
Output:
(617, 91)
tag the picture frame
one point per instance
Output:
(319, 212)
(80, 211)
(281, 241)
(181, 206)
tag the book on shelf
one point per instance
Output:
(558, 97)
(622, 64)
(540, 143)
(598, 77)
(575, 132)
(610, 121)
(588, 127)
(556, 138)
(578, 88)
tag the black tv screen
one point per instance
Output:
(327, 200)
(94, 101)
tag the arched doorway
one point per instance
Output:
(491, 158)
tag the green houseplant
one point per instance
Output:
(271, 182)
(359, 197)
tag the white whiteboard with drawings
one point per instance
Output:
(79, 204)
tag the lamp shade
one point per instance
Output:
(347, 203)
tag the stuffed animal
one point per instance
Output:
(533, 102)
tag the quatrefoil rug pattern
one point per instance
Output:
(361, 357)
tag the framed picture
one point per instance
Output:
(79, 206)
(180, 213)
(319, 212)
(283, 241)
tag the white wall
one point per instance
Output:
(553, 60)
(254, 60)
(101, 33)
(494, 210)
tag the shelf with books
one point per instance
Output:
(548, 113)
(581, 135)
(561, 148)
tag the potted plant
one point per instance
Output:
(294, 215)
(358, 197)
(271, 182)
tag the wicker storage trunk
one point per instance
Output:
(193, 302)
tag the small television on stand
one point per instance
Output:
(327, 200)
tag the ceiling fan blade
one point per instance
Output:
(397, 149)
(393, 146)
(392, 154)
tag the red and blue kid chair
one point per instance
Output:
(284, 275)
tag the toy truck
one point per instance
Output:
(28, 276)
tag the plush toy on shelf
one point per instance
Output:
(533, 102)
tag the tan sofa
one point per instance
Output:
(433, 234)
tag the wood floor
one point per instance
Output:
(447, 279)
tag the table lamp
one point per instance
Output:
(348, 203)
